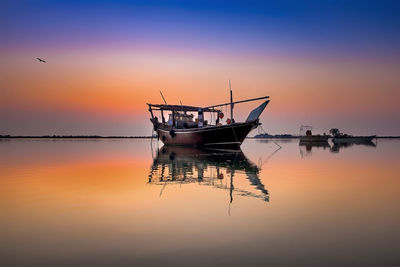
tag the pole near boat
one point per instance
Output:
(162, 113)
(230, 89)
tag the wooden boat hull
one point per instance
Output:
(226, 136)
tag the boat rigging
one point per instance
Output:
(182, 128)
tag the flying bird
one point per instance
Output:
(41, 60)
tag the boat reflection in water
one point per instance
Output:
(337, 146)
(307, 147)
(215, 168)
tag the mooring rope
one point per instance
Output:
(234, 134)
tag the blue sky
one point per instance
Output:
(306, 50)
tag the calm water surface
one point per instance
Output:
(125, 203)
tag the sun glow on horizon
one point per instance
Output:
(109, 71)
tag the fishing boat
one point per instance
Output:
(338, 137)
(353, 139)
(186, 125)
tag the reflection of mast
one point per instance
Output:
(231, 188)
(256, 182)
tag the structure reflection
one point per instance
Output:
(307, 147)
(337, 146)
(183, 165)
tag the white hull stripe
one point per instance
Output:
(222, 143)
(197, 131)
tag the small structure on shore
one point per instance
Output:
(306, 135)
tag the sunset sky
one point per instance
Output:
(323, 63)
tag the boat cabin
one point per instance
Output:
(183, 117)
(186, 117)
(182, 120)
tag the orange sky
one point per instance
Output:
(116, 86)
(322, 66)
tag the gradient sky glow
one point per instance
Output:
(324, 63)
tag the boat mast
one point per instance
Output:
(162, 113)
(230, 89)
(237, 102)
(163, 98)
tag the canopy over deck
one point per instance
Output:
(181, 108)
(194, 108)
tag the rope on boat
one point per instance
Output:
(234, 134)
(261, 130)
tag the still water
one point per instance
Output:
(127, 203)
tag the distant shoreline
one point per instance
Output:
(72, 137)
(140, 137)
(297, 137)
(289, 136)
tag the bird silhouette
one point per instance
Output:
(41, 60)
